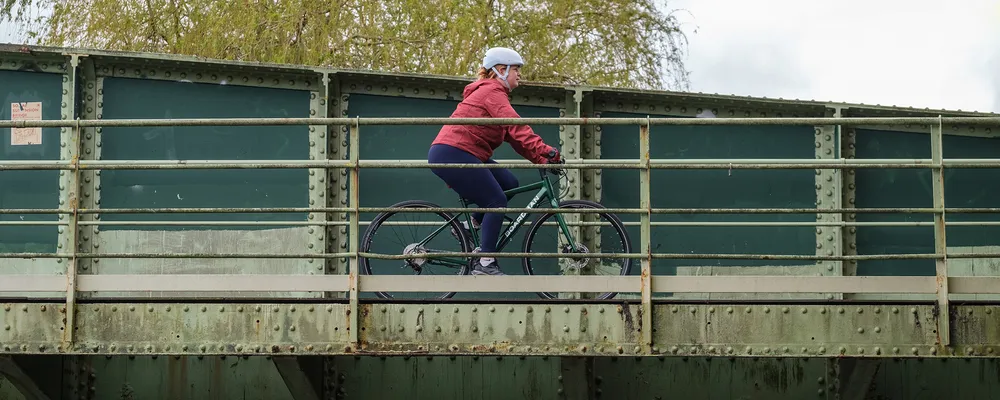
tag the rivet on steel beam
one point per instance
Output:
(672, 309)
(784, 310)
(913, 310)
(861, 310)
(821, 350)
(861, 330)
(840, 310)
(767, 310)
(914, 350)
(711, 310)
(877, 329)
(692, 309)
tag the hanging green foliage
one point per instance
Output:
(623, 43)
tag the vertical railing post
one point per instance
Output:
(70, 183)
(646, 238)
(74, 218)
(940, 244)
(355, 152)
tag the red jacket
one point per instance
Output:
(487, 98)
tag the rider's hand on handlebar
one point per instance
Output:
(553, 157)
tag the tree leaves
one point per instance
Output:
(624, 43)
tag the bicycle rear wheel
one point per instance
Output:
(403, 236)
(598, 233)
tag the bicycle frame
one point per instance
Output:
(545, 191)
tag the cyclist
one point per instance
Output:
(487, 97)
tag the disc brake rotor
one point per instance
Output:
(577, 263)
(415, 262)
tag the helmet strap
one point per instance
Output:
(503, 78)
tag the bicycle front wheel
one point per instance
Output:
(415, 235)
(593, 233)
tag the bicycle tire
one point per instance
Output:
(615, 222)
(365, 244)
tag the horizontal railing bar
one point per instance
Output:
(792, 121)
(745, 224)
(377, 256)
(20, 165)
(212, 283)
(32, 283)
(264, 210)
(225, 210)
(510, 283)
(211, 223)
(793, 284)
(177, 255)
(170, 164)
(718, 256)
(973, 285)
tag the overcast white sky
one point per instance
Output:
(919, 53)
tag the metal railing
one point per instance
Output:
(645, 283)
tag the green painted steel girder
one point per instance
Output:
(555, 329)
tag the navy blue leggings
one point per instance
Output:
(482, 186)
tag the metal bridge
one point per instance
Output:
(168, 206)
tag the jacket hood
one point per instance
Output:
(472, 87)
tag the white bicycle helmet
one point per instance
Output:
(502, 56)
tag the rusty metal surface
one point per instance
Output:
(713, 330)
(210, 328)
(500, 329)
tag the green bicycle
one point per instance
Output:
(460, 239)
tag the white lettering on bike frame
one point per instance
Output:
(520, 218)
